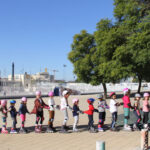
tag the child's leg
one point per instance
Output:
(37, 119)
(4, 122)
(76, 120)
(91, 121)
(146, 117)
(126, 115)
(138, 116)
(22, 116)
(65, 112)
(101, 122)
(41, 118)
(104, 116)
(51, 118)
(14, 123)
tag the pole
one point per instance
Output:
(100, 145)
(144, 139)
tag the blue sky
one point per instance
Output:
(37, 34)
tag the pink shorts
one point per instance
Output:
(23, 117)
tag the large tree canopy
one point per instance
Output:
(116, 50)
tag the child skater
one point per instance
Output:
(38, 110)
(75, 113)
(102, 105)
(52, 107)
(4, 116)
(13, 114)
(90, 113)
(22, 112)
(146, 110)
(114, 110)
(127, 106)
(64, 106)
(136, 112)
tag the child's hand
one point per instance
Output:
(58, 107)
(81, 112)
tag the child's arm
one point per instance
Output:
(106, 106)
(96, 110)
(9, 109)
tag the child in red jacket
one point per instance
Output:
(90, 112)
(39, 105)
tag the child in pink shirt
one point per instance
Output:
(145, 110)
(126, 106)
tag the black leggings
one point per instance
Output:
(39, 117)
(145, 117)
(14, 122)
(91, 121)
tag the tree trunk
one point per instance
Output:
(140, 83)
(105, 90)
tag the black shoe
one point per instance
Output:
(66, 127)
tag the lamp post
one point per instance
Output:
(64, 73)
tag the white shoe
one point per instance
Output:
(75, 130)
(134, 126)
(127, 128)
(145, 126)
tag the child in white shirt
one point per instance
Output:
(113, 109)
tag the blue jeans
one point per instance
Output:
(114, 119)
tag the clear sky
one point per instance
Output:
(37, 34)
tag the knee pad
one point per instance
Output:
(66, 118)
(101, 121)
(52, 120)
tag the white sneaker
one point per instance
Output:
(127, 128)
(75, 130)
(134, 126)
(145, 126)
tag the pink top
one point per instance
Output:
(126, 101)
(145, 106)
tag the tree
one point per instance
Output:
(134, 16)
(85, 58)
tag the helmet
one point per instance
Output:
(90, 100)
(50, 94)
(12, 102)
(38, 93)
(3, 102)
(100, 96)
(65, 93)
(146, 94)
(125, 90)
(137, 95)
(112, 93)
(75, 100)
(24, 99)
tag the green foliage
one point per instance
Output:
(83, 48)
(115, 50)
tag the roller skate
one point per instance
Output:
(63, 130)
(75, 130)
(23, 130)
(92, 130)
(4, 131)
(100, 129)
(37, 130)
(50, 130)
(127, 128)
(13, 131)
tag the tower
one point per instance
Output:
(13, 71)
